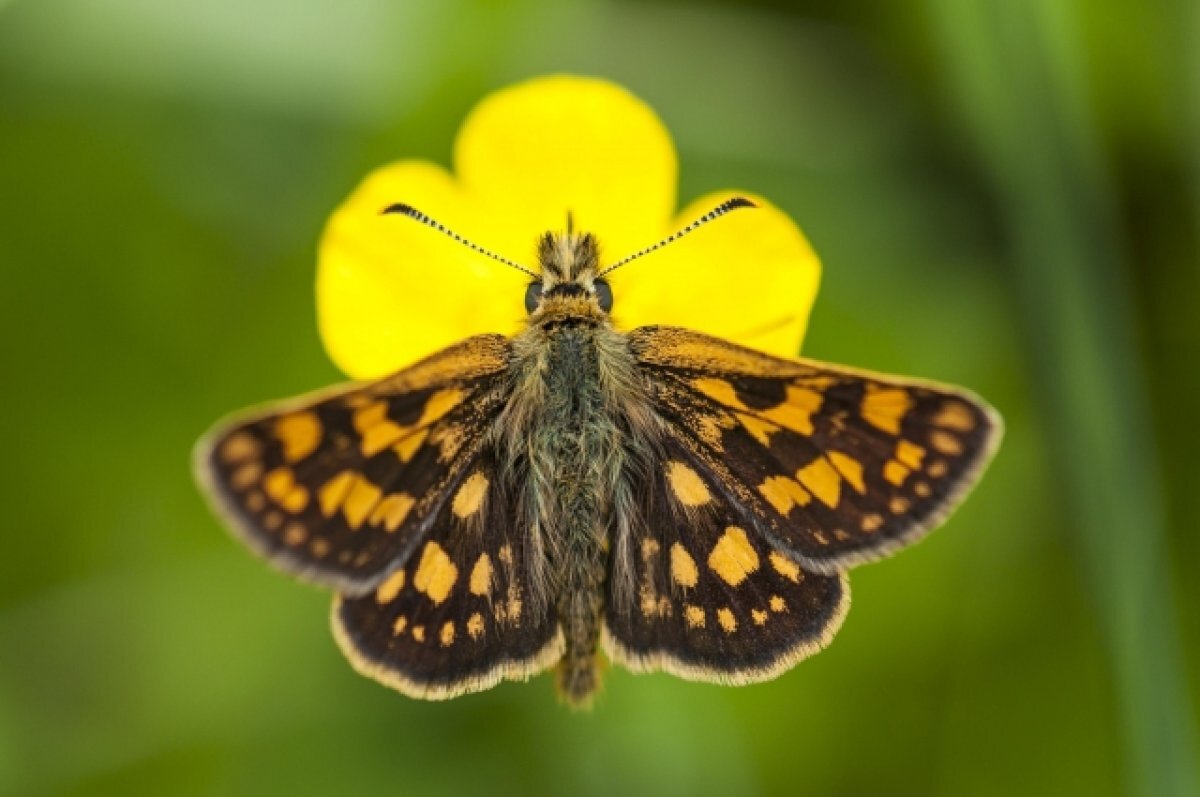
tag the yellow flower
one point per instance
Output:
(390, 291)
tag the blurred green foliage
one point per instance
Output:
(1005, 193)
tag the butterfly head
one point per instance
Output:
(568, 284)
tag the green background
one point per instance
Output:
(1005, 194)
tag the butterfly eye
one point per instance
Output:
(603, 294)
(533, 296)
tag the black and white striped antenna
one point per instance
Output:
(416, 215)
(720, 210)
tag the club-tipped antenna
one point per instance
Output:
(416, 215)
(720, 210)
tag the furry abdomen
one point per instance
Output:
(574, 440)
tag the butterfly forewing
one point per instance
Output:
(339, 488)
(457, 617)
(835, 465)
(714, 601)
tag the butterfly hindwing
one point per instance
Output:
(713, 599)
(338, 488)
(837, 466)
(457, 616)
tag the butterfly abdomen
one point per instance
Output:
(567, 444)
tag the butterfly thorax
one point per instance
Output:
(574, 441)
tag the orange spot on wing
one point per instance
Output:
(299, 433)
(687, 485)
(408, 445)
(785, 567)
(850, 469)
(895, 472)
(239, 447)
(475, 625)
(783, 493)
(390, 587)
(470, 495)
(955, 415)
(392, 510)
(439, 404)
(481, 576)
(733, 558)
(331, 495)
(280, 485)
(361, 499)
(435, 574)
(885, 407)
(726, 619)
(683, 567)
(719, 391)
(821, 479)
(945, 442)
(796, 411)
(759, 429)
(909, 453)
(246, 476)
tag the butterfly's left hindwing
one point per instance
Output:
(714, 600)
(339, 489)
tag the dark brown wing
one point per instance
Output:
(713, 600)
(340, 488)
(457, 617)
(834, 465)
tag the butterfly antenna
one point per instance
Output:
(717, 212)
(416, 215)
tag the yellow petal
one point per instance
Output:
(749, 277)
(532, 152)
(391, 291)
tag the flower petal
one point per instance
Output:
(534, 151)
(391, 291)
(749, 277)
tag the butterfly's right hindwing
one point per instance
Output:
(339, 489)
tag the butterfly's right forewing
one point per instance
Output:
(339, 489)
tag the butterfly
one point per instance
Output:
(675, 501)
